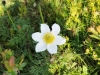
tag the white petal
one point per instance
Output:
(44, 28)
(41, 46)
(55, 29)
(52, 48)
(60, 40)
(37, 36)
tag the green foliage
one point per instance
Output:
(8, 60)
(69, 63)
(80, 55)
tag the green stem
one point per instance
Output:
(10, 18)
(40, 11)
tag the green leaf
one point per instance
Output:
(13, 73)
(94, 36)
(22, 65)
(84, 70)
(7, 66)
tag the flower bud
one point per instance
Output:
(4, 2)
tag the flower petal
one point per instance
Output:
(55, 29)
(52, 48)
(41, 46)
(44, 28)
(60, 40)
(37, 36)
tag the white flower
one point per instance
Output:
(48, 39)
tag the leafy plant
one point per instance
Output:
(10, 64)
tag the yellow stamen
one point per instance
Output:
(48, 38)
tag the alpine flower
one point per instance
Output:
(48, 39)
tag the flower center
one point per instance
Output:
(48, 38)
